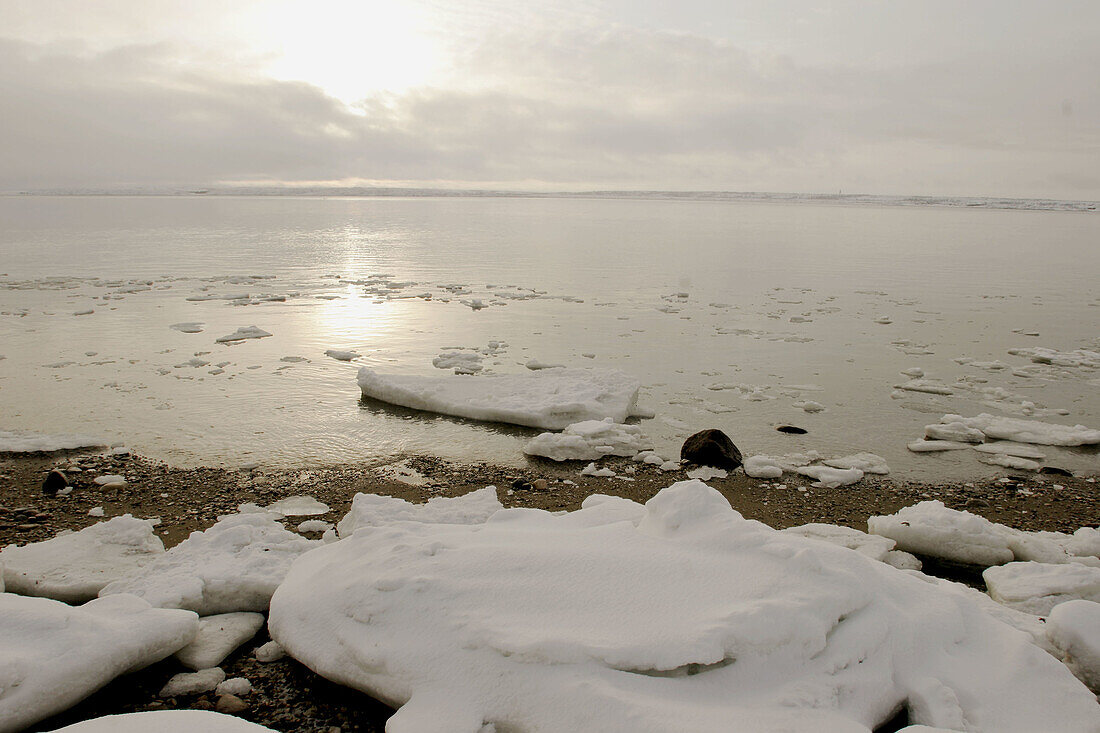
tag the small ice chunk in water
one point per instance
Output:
(535, 365)
(18, 441)
(463, 362)
(339, 355)
(809, 406)
(188, 327)
(936, 446)
(245, 332)
(1008, 448)
(866, 462)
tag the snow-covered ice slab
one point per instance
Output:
(74, 566)
(589, 441)
(866, 462)
(930, 528)
(19, 441)
(1074, 629)
(1008, 448)
(217, 637)
(826, 477)
(233, 566)
(551, 399)
(936, 446)
(373, 510)
(53, 655)
(1037, 587)
(298, 506)
(873, 546)
(165, 721)
(680, 616)
(1027, 431)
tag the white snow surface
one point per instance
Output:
(930, 528)
(54, 655)
(589, 440)
(873, 546)
(74, 566)
(1074, 629)
(373, 510)
(1027, 431)
(551, 399)
(234, 565)
(217, 637)
(20, 441)
(298, 506)
(679, 615)
(165, 721)
(1037, 587)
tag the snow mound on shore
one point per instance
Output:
(373, 510)
(54, 655)
(550, 399)
(930, 528)
(74, 566)
(234, 566)
(19, 441)
(589, 440)
(165, 721)
(679, 615)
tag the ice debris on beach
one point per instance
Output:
(676, 615)
(217, 637)
(374, 510)
(243, 333)
(932, 529)
(589, 440)
(1026, 431)
(551, 399)
(866, 462)
(1037, 587)
(298, 506)
(18, 441)
(54, 655)
(166, 721)
(234, 565)
(74, 566)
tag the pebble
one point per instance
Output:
(231, 705)
(539, 484)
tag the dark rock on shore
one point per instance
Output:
(55, 481)
(711, 448)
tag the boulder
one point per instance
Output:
(55, 481)
(711, 448)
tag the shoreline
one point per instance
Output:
(288, 696)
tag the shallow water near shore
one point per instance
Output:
(729, 313)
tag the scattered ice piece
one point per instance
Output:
(463, 362)
(683, 616)
(1028, 431)
(111, 479)
(589, 440)
(341, 355)
(591, 470)
(588, 355)
(1008, 448)
(809, 406)
(403, 473)
(1069, 359)
(74, 566)
(1000, 459)
(96, 511)
(218, 636)
(954, 431)
(315, 525)
(667, 467)
(762, 467)
(245, 332)
(298, 506)
(373, 510)
(1074, 630)
(188, 327)
(873, 546)
(706, 473)
(1036, 587)
(166, 721)
(866, 462)
(914, 372)
(192, 683)
(55, 655)
(233, 566)
(935, 446)
(272, 651)
(293, 359)
(550, 399)
(927, 386)
(86, 312)
(238, 686)
(826, 477)
(18, 441)
(883, 320)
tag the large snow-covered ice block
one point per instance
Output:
(374, 510)
(679, 615)
(74, 566)
(589, 440)
(996, 427)
(53, 655)
(1037, 587)
(550, 399)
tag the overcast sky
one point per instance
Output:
(982, 97)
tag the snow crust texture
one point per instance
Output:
(676, 615)
(373, 510)
(551, 399)
(73, 567)
(233, 566)
(53, 655)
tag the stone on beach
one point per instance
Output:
(711, 448)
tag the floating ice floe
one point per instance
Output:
(373, 510)
(233, 566)
(245, 332)
(551, 399)
(1008, 448)
(298, 506)
(866, 462)
(217, 637)
(189, 327)
(463, 362)
(339, 355)
(74, 566)
(166, 721)
(1070, 359)
(589, 440)
(18, 441)
(1037, 587)
(1007, 461)
(679, 615)
(1074, 630)
(809, 406)
(535, 365)
(953, 431)
(55, 655)
(936, 446)
(930, 528)
(1027, 431)
(928, 386)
